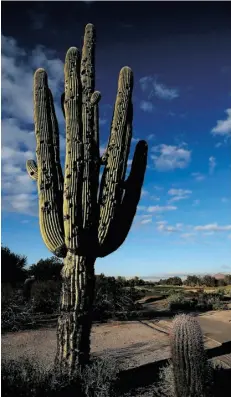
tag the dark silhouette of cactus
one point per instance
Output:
(190, 367)
(80, 220)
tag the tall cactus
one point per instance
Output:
(81, 220)
(188, 358)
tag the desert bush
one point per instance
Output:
(210, 301)
(111, 297)
(15, 314)
(165, 387)
(200, 302)
(24, 378)
(45, 296)
(15, 317)
(178, 301)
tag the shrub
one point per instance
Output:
(15, 314)
(178, 301)
(24, 378)
(111, 297)
(45, 296)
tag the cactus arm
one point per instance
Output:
(90, 211)
(32, 169)
(117, 152)
(72, 204)
(50, 210)
(127, 210)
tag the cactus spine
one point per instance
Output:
(80, 220)
(188, 357)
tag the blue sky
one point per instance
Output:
(181, 59)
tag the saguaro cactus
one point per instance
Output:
(188, 357)
(80, 220)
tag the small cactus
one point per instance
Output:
(188, 358)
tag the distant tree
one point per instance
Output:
(12, 267)
(122, 280)
(47, 269)
(174, 281)
(192, 281)
(209, 281)
(221, 282)
(227, 279)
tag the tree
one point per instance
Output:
(47, 269)
(12, 267)
(79, 219)
(192, 281)
(174, 281)
(227, 279)
(209, 281)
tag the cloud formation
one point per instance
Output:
(19, 193)
(170, 157)
(223, 127)
(149, 85)
(179, 194)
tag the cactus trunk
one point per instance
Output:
(79, 218)
(75, 320)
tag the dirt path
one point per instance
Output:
(130, 343)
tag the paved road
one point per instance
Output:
(214, 329)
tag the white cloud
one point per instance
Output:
(149, 85)
(163, 92)
(146, 106)
(223, 127)
(198, 176)
(212, 164)
(158, 208)
(188, 235)
(19, 192)
(144, 193)
(163, 227)
(145, 221)
(171, 157)
(179, 194)
(150, 137)
(213, 227)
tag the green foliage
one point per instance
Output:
(45, 296)
(192, 281)
(47, 269)
(24, 378)
(171, 281)
(227, 279)
(111, 296)
(177, 301)
(15, 314)
(12, 267)
(209, 281)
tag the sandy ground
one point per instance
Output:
(130, 343)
